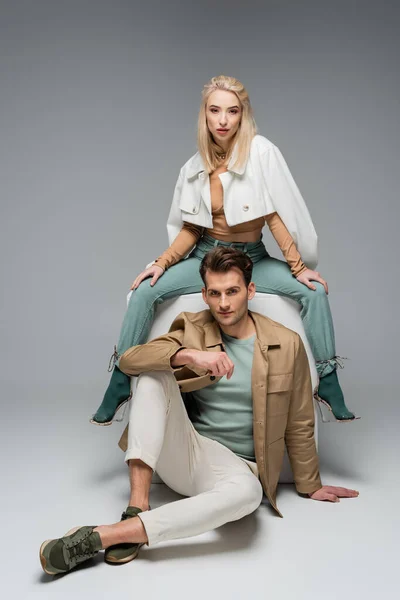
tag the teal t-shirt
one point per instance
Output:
(224, 411)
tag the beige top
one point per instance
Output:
(244, 232)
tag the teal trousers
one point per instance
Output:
(270, 275)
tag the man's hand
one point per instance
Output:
(333, 493)
(215, 363)
(308, 276)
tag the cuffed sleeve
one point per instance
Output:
(285, 243)
(181, 246)
(156, 354)
(153, 356)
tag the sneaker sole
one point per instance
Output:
(121, 561)
(43, 561)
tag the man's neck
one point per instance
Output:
(245, 328)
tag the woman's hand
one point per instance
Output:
(154, 271)
(307, 276)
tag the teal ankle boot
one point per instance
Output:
(330, 393)
(117, 394)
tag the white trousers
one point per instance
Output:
(221, 486)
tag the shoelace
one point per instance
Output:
(81, 550)
(336, 361)
(113, 359)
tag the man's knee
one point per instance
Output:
(248, 493)
(253, 492)
(153, 382)
(156, 378)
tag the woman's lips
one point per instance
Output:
(222, 130)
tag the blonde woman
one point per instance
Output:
(225, 193)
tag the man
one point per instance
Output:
(247, 387)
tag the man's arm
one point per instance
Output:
(299, 435)
(300, 440)
(155, 355)
(183, 357)
(167, 353)
(213, 363)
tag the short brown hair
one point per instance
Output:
(224, 258)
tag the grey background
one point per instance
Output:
(99, 102)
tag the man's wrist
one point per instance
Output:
(182, 357)
(313, 492)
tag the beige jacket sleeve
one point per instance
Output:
(155, 355)
(285, 243)
(299, 435)
(180, 247)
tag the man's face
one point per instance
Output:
(227, 296)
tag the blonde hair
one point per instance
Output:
(207, 147)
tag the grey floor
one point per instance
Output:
(59, 471)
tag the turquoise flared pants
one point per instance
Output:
(270, 275)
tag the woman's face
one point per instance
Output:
(223, 112)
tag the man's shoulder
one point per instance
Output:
(268, 327)
(198, 319)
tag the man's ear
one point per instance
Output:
(204, 294)
(251, 290)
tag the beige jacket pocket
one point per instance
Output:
(279, 388)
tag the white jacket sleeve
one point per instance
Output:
(289, 204)
(175, 222)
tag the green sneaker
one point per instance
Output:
(63, 554)
(123, 553)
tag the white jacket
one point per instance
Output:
(262, 186)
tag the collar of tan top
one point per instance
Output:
(196, 165)
(264, 330)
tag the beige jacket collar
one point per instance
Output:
(265, 334)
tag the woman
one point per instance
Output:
(225, 193)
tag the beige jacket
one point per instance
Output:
(283, 411)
